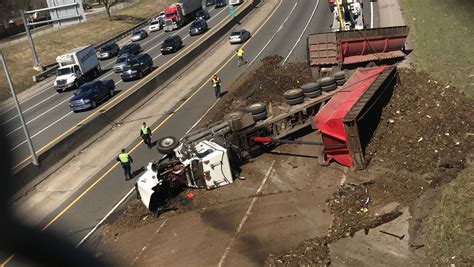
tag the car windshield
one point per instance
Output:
(196, 24)
(137, 33)
(106, 48)
(168, 41)
(200, 13)
(235, 33)
(155, 22)
(122, 59)
(85, 89)
(64, 71)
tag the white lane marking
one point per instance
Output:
(371, 14)
(28, 109)
(105, 217)
(246, 216)
(149, 241)
(202, 117)
(39, 116)
(27, 99)
(274, 34)
(302, 33)
(44, 129)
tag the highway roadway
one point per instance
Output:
(48, 115)
(283, 33)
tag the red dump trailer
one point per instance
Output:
(332, 51)
(348, 121)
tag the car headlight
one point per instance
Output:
(86, 100)
(133, 71)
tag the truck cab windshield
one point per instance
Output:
(65, 71)
(170, 15)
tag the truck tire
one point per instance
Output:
(293, 93)
(340, 75)
(312, 94)
(237, 115)
(326, 81)
(111, 92)
(329, 87)
(257, 108)
(167, 144)
(341, 82)
(295, 101)
(76, 84)
(310, 87)
(260, 116)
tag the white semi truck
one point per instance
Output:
(75, 67)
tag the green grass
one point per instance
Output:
(451, 233)
(444, 39)
(49, 46)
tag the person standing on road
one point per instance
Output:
(145, 133)
(240, 57)
(216, 84)
(126, 160)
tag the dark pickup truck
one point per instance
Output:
(88, 95)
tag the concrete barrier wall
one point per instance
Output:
(30, 175)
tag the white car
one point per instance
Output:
(155, 25)
(239, 36)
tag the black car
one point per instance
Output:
(88, 95)
(136, 67)
(133, 49)
(210, 2)
(197, 27)
(220, 3)
(108, 51)
(203, 14)
(171, 44)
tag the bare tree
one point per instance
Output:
(107, 5)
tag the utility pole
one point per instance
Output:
(37, 66)
(20, 114)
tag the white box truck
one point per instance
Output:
(75, 67)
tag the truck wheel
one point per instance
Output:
(93, 104)
(295, 101)
(111, 92)
(257, 108)
(340, 75)
(166, 145)
(293, 94)
(259, 116)
(59, 90)
(312, 94)
(327, 81)
(237, 115)
(76, 84)
(329, 87)
(310, 87)
(140, 75)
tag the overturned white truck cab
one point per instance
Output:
(204, 165)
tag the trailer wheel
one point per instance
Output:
(340, 75)
(295, 101)
(167, 144)
(341, 82)
(329, 87)
(310, 87)
(237, 115)
(257, 108)
(326, 81)
(312, 94)
(293, 94)
(259, 116)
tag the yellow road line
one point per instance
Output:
(141, 142)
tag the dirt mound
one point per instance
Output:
(266, 83)
(424, 139)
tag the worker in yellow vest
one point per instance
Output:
(240, 57)
(145, 133)
(125, 159)
(216, 84)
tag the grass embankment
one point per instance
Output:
(443, 47)
(49, 46)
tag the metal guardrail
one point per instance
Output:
(53, 67)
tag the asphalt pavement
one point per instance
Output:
(47, 113)
(283, 34)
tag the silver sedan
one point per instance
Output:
(139, 35)
(239, 36)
